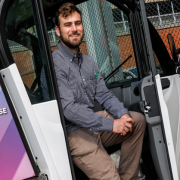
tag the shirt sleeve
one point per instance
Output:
(75, 112)
(107, 99)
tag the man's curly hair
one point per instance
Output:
(65, 10)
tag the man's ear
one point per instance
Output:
(57, 31)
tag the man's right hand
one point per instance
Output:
(123, 125)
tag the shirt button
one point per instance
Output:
(74, 55)
(70, 59)
(85, 93)
(90, 129)
(83, 79)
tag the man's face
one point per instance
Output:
(71, 30)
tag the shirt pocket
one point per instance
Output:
(91, 83)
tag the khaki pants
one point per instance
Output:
(88, 153)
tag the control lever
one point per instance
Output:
(147, 107)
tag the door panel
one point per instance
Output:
(13, 145)
(169, 103)
(49, 120)
(127, 93)
(155, 129)
(29, 121)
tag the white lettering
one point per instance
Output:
(3, 111)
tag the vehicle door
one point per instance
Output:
(160, 98)
(24, 52)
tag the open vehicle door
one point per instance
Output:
(160, 96)
(24, 51)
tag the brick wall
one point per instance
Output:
(175, 31)
(24, 64)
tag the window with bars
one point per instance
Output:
(163, 12)
(165, 16)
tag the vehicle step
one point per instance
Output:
(42, 177)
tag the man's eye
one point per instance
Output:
(78, 23)
(67, 25)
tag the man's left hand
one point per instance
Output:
(128, 116)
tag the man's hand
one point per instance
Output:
(123, 125)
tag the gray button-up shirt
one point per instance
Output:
(80, 84)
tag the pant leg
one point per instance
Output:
(90, 156)
(131, 147)
(88, 153)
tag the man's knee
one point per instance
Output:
(139, 119)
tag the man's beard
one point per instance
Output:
(71, 44)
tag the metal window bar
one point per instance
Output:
(173, 12)
(122, 14)
(165, 16)
(159, 14)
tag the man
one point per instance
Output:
(80, 83)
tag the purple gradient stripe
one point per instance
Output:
(12, 149)
(11, 152)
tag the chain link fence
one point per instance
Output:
(165, 16)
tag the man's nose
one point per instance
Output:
(73, 28)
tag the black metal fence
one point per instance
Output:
(165, 16)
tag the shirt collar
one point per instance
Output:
(70, 54)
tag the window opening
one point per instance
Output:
(165, 16)
(26, 48)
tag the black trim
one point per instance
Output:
(2, 65)
(165, 83)
(18, 125)
(148, 39)
(138, 44)
(38, 16)
(7, 58)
